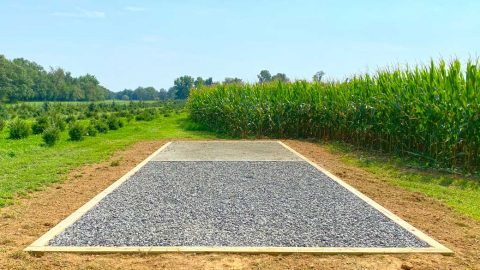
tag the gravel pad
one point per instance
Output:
(233, 203)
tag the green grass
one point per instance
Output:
(27, 165)
(461, 193)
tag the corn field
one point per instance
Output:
(430, 112)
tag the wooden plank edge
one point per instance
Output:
(60, 227)
(264, 250)
(402, 223)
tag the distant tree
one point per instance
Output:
(147, 93)
(209, 81)
(280, 77)
(171, 93)
(15, 82)
(199, 82)
(90, 87)
(233, 80)
(125, 93)
(125, 97)
(182, 86)
(318, 76)
(151, 93)
(37, 78)
(162, 94)
(264, 76)
(59, 84)
(76, 93)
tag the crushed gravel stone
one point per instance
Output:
(233, 203)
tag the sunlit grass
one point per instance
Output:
(27, 165)
(459, 192)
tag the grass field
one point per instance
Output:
(459, 192)
(29, 166)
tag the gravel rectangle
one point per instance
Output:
(234, 203)
(226, 151)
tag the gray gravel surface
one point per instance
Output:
(226, 151)
(225, 203)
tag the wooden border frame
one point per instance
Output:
(41, 245)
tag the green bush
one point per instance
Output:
(129, 118)
(146, 115)
(76, 131)
(40, 124)
(3, 112)
(2, 124)
(19, 129)
(71, 119)
(91, 130)
(114, 123)
(51, 135)
(59, 121)
(100, 125)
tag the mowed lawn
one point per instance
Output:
(27, 165)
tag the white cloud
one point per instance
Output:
(81, 13)
(134, 9)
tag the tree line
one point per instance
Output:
(24, 80)
(180, 90)
(184, 84)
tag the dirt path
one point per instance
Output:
(25, 221)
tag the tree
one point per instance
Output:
(36, 75)
(172, 91)
(15, 82)
(209, 81)
(148, 93)
(162, 94)
(77, 93)
(182, 86)
(318, 76)
(199, 82)
(233, 80)
(151, 93)
(280, 77)
(124, 93)
(264, 76)
(90, 86)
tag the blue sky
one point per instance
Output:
(130, 43)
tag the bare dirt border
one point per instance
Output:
(41, 245)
